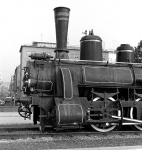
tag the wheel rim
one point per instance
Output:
(100, 127)
(139, 127)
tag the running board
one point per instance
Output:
(134, 121)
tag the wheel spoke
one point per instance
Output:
(104, 127)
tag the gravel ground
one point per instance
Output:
(61, 142)
(65, 142)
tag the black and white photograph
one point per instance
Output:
(70, 75)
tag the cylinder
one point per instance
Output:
(61, 26)
(125, 53)
(91, 48)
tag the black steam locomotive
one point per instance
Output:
(89, 91)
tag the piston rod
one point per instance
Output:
(128, 119)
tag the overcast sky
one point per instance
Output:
(24, 21)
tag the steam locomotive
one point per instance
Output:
(89, 91)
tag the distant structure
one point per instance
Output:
(109, 55)
(74, 51)
(49, 48)
(109, 50)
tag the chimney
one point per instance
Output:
(61, 26)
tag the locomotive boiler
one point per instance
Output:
(83, 92)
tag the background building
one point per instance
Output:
(109, 55)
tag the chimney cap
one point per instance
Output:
(61, 8)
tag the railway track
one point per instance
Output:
(25, 131)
